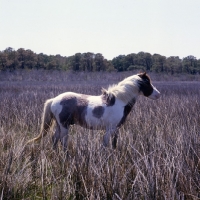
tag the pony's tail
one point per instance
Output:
(47, 121)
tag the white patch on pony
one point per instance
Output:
(111, 116)
(94, 101)
(155, 94)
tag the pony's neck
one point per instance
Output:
(126, 90)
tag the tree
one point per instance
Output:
(190, 64)
(141, 59)
(21, 58)
(30, 59)
(99, 62)
(198, 66)
(148, 61)
(118, 63)
(10, 59)
(158, 63)
(3, 61)
(77, 62)
(173, 65)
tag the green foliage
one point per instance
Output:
(11, 60)
(26, 59)
(156, 63)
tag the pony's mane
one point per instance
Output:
(126, 90)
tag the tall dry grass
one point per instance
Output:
(158, 152)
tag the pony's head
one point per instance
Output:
(131, 87)
(146, 88)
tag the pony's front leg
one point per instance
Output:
(106, 137)
(64, 137)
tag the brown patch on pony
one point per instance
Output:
(127, 110)
(108, 99)
(145, 84)
(98, 111)
(74, 110)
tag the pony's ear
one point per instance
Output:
(104, 91)
(142, 74)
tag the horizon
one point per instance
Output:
(96, 53)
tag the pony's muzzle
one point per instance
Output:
(155, 94)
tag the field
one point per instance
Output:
(157, 156)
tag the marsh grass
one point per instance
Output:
(158, 152)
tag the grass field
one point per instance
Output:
(158, 152)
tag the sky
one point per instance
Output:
(109, 27)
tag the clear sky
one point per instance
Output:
(110, 27)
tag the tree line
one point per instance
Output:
(11, 60)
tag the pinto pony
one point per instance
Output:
(107, 111)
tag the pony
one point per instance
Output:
(107, 111)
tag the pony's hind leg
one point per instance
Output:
(114, 139)
(64, 137)
(56, 136)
